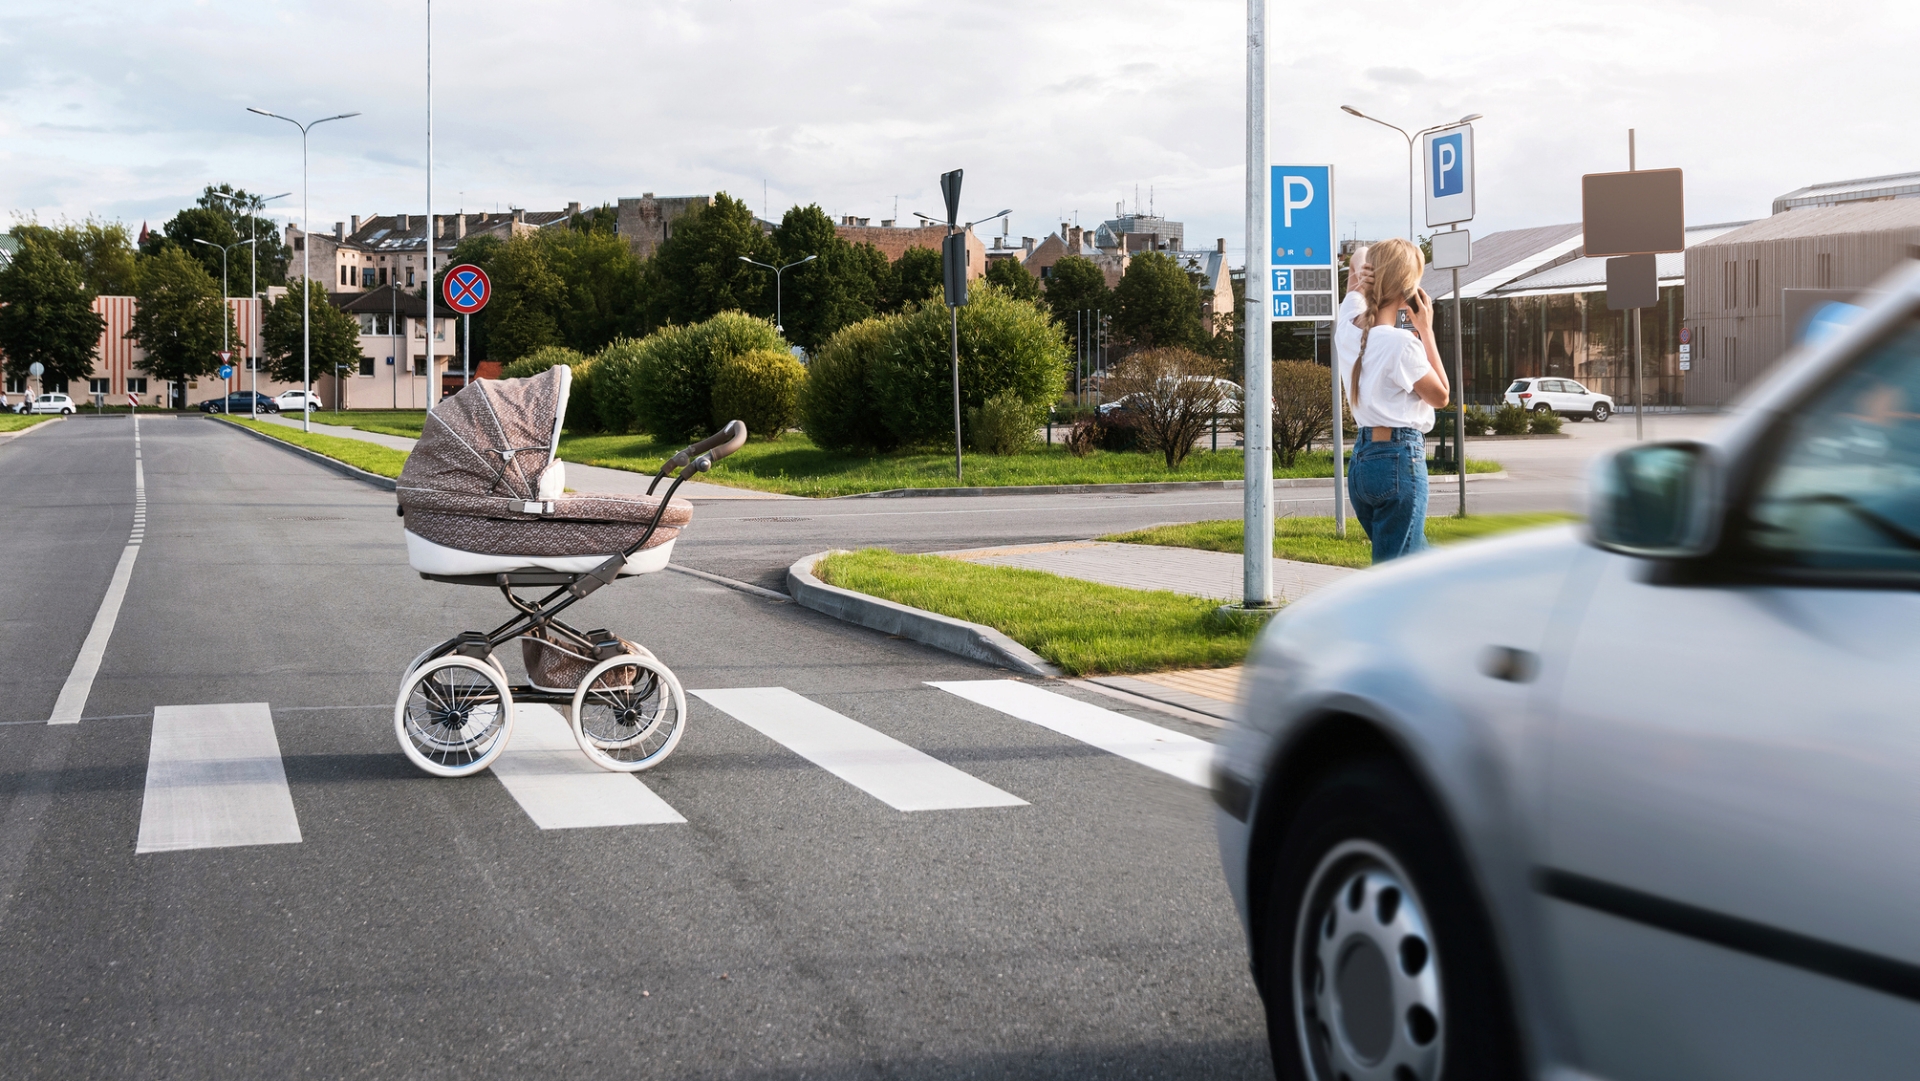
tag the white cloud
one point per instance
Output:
(127, 109)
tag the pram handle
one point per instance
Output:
(714, 447)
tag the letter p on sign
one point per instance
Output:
(1448, 177)
(1287, 202)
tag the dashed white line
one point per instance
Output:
(73, 693)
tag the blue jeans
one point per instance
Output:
(1387, 483)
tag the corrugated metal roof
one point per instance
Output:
(1589, 273)
(1832, 192)
(1499, 258)
(1829, 221)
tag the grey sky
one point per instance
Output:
(126, 110)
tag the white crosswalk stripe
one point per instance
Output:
(560, 788)
(1174, 753)
(874, 762)
(215, 780)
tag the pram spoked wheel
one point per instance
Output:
(628, 713)
(454, 716)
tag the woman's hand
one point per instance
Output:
(1360, 278)
(1421, 313)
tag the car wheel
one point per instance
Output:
(1375, 956)
(67, 412)
(1543, 409)
(1601, 411)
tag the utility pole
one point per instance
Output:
(1256, 418)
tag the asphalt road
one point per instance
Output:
(793, 926)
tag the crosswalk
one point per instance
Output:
(215, 777)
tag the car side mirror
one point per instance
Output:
(1655, 500)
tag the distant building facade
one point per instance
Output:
(647, 222)
(893, 240)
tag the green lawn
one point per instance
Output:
(371, 457)
(13, 422)
(1084, 627)
(401, 422)
(1311, 540)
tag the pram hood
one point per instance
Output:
(483, 450)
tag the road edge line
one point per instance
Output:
(353, 472)
(970, 640)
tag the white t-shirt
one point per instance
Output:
(1396, 359)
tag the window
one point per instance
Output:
(138, 384)
(440, 330)
(1047, 272)
(1844, 494)
(343, 276)
(105, 386)
(366, 280)
(17, 384)
(300, 244)
(1726, 358)
(366, 324)
(419, 364)
(366, 368)
(410, 280)
(383, 281)
(1753, 275)
(254, 364)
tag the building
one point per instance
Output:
(1210, 272)
(366, 253)
(1073, 240)
(393, 371)
(117, 358)
(893, 240)
(647, 222)
(1139, 232)
(1872, 189)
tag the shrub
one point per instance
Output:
(671, 387)
(1302, 407)
(1117, 432)
(1510, 420)
(1005, 345)
(761, 389)
(614, 369)
(540, 360)
(1003, 424)
(1545, 422)
(1083, 436)
(836, 402)
(1170, 396)
(1478, 420)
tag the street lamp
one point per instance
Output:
(306, 263)
(1470, 117)
(777, 271)
(255, 205)
(224, 315)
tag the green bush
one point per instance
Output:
(1006, 345)
(836, 405)
(671, 386)
(1003, 424)
(540, 360)
(581, 414)
(1510, 420)
(1478, 420)
(614, 370)
(1544, 422)
(761, 389)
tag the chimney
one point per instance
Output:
(573, 210)
(406, 222)
(886, 223)
(646, 195)
(356, 223)
(1074, 235)
(439, 226)
(460, 227)
(519, 215)
(1026, 242)
(1063, 230)
(339, 231)
(1220, 245)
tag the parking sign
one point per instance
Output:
(1449, 162)
(1302, 257)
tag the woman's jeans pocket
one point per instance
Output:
(1375, 477)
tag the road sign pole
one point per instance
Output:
(1339, 451)
(1460, 395)
(466, 350)
(1633, 321)
(1256, 418)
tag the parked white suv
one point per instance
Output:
(292, 401)
(1562, 396)
(52, 403)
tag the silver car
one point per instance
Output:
(1633, 800)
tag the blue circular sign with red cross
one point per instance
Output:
(466, 289)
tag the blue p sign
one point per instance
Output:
(1448, 176)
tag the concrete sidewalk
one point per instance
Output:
(580, 478)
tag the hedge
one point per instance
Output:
(670, 388)
(836, 407)
(760, 389)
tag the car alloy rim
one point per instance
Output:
(1366, 978)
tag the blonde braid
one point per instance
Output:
(1368, 329)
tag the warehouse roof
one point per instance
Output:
(1865, 189)
(1589, 273)
(1873, 217)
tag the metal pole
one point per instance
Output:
(393, 341)
(253, 309)
(1257, 410)
(466, 350)
(779, 304)
(1460, 395)
(955, 339)
(1410, 198)
(1633, 328)
(306, 292)
(1339, 455)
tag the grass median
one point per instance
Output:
(13, 422)
(1311, 540)
(405, 423)
(1084, 627)
(372, 457)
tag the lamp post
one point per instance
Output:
(778, 322)
(955, 274)
(306, 264)
(1410, 163)
(225, 315)
(254, 206)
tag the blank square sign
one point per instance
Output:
(1637, 213)
(1633, 281)
(1452, 249)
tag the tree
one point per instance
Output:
(601, 283)
(1159, 306)
(844, 284)
(335, 335)
(1005, 345)
(696, 273)
(179, 317)
(222, 216)
(479, 251)
(102, 250)
(916, 279)
(1302, 407)
(47, 316)
(1077, 284)
(1170, 396)
(237, 206)
(1013, 278)
(528, 301)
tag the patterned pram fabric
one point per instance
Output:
(483, 479)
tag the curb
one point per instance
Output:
(1121, 489)
(8, 437)
(969, 640)
(384, 483)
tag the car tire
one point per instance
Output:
(1601, 411)
(1543, 408)
(1367, 876)
(66, 412)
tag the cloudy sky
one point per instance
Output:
(1056, 108)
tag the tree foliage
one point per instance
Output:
(916, 279)
(844, 284)
(223, 216)
(47, 316)
(1158, 304)
(760, 388)
(671, 385)
(696, 273)
(1170, 398)
(529, 299)
(1077, 284)
(836, 406)
(1013, 278)
(1302, 407)
(103, 252)
(1005, 345)
(335, 334)
(179, 317)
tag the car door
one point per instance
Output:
(1579, 398)
(1733, 864)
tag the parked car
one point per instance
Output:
(1637, 799)
(241, 401)
(52, 403)
(1562, 396)
(1230, 396)
(292, 401)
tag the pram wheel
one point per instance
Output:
(441, 648)
(454, 715)
(628, 713)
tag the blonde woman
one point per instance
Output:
(1394, 380)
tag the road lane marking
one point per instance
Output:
(874, 762)
(1173, 753)
(73, 693)
(215, 780)
(560, 788)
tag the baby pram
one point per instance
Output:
(485, 504)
